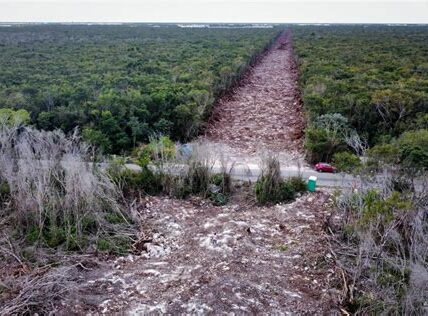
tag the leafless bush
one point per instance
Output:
(51, 182)
(385, 252)
(353, 140)
(39, 292)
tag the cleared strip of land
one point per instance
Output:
(265, 110)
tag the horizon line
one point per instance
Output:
(208, 22)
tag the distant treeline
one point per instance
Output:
(120, 84)
(375, 77)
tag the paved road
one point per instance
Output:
(252, 172)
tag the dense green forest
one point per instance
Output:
(120, 84)
(372, 79)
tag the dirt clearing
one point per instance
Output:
(199, 258)
(265, 110)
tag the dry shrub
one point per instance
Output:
(384, 248)
(192, 172)
(53, 189)
(40, 291)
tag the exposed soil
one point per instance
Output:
(199, 258)
(265, 110)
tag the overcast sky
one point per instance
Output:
(274, 11)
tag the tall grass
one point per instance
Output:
(54, 193)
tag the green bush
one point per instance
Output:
(298, 184)
(383, 154)
(149, 181)
(176, 186)
(268, 186)
(346, 161)
(89, 224)
(283, 191)
(131, 181)
(14, 117)
(114, 218)
(316, 144)
(199, 178)
(287, 191)
(414, 149)
(383, 208)
(219, 198)
(158, 149)
(4, 191)
(198, 181)
(54, 236)
(272, 188)
(267, 191)
(223, 181)
(385, 227)
(118, 245)
(325, 137)
(103, 245)
(32, 235)
(410, 150)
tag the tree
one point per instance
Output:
(13, 118)
(383, 154)
(187, 120)
(46, 120)
(109, 126)
(335, 124)
(413, 148)
(136, 129)
(326, 137)
(96, 139)
(347, 162)
(163, 126)
(354, 141)
(392, 106)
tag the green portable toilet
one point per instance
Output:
(312, 183)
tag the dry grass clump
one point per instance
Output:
(52, 191)
(181, 170)
(271, 187)
(196, 175)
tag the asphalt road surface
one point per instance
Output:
(252, 172)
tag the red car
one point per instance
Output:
(325, 167)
